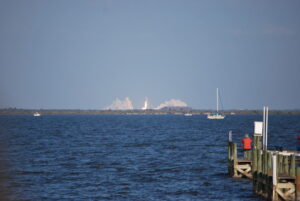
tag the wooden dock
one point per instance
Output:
(275, 174)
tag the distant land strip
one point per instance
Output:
(15, 111)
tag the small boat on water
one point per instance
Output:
(216, 114)
(188, 114)
(36, 114)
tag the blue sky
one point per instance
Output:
(83, 54)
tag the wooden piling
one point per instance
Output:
(269, 168)
(293, 166)
(274, 177)
(265, 162)
(286, 165)
(257, 141)
(229, 157)
(259, 172)
(280, 164)
(234, 156)
(254, 168)
(254, 160)
(298, 183)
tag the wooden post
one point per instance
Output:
(298, 183)
(259, 165)
(269, 186)
(269, 169)
(264, 161)
(286, 165)
(257, 141)
(229, 150)
(254, 160)
(274, 177)
(234, 154)
(254, 169)
(265, 172)
(293, 166)
(259, 172)
(280, 164)
(229, 157)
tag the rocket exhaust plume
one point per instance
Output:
(172, 103)
(120, 105)
(145, 104)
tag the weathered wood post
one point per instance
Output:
(257, 141)
(229, 157)
(254, 161)
(230, 150)
(264, 173)
(280, 164)
(274, 177)
(269, 172)
(234, 156)
(254, 168)
(265, 162)
(269, 176)
(286, 165)
(259, 171)
(293, 166)
(298, 183)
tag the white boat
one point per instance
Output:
(188, 114)
(216, 115)
(36, 114)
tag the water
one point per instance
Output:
(128, 157)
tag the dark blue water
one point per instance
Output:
(128, 157)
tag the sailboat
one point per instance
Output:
(36, 114)
(216, 115)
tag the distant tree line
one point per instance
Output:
(180, 110)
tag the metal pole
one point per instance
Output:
(217, 100)
(267, 122)
(263, 133)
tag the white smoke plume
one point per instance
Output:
(118, 104)
(172, 103)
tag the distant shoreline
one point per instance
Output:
(193, 111)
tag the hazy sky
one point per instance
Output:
(84, 54)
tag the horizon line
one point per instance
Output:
(139, 109)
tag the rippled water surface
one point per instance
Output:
(128, 157)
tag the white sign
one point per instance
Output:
(258, 127)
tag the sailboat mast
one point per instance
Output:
(217, 100)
